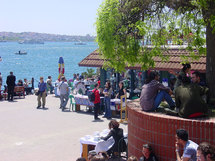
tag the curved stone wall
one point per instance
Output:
(159, 130)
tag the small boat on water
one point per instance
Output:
(21, 52)
(80, 43)
(31, 42)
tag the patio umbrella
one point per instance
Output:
(61, 67)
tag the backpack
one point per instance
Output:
(91, 96)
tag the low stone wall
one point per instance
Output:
(159, 130)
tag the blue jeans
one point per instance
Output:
(107, 108)
(160, 96)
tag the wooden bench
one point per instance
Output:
(19, 91)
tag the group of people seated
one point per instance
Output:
(189, 150)
(26, 85)
(191, 95)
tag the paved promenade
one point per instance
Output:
(30, 134)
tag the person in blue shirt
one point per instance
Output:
(42, 93)
(189, 147)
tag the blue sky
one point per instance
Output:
(70, 17)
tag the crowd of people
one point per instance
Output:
(190, 93)
(11, 84)
(190, 151)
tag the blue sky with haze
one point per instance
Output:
(70, 17)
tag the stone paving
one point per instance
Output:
(30, 134)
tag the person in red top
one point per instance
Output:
(96, 101)
(99, 81)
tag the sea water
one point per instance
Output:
(42, 59)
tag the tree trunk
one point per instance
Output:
(210, 60)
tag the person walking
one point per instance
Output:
(96, 101)
(41, 93)
(11, 79)
(49, 84)
(64, 93)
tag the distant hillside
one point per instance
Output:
(10, 36)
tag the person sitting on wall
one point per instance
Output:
(189, 147)
(189, 101)
(185, 72)
(196, 78)
(153, 92)
(148, 154)
(205, 152)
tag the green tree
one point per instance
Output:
(90, 72)
(123, 25)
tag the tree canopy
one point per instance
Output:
(123, 26)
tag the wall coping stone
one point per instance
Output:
(135, 105)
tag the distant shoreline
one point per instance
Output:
(33, 36)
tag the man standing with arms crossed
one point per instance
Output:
(11, 79)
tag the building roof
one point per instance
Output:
(94, 59)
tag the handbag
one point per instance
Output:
(37, 93)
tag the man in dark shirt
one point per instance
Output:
(11, 79)
(188, 98)
(96, 101)
(196, 78)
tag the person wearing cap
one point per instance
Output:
(64, 93)
(189, 147)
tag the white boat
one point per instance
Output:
(80, 43)
(31, 42)
(21, 52)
